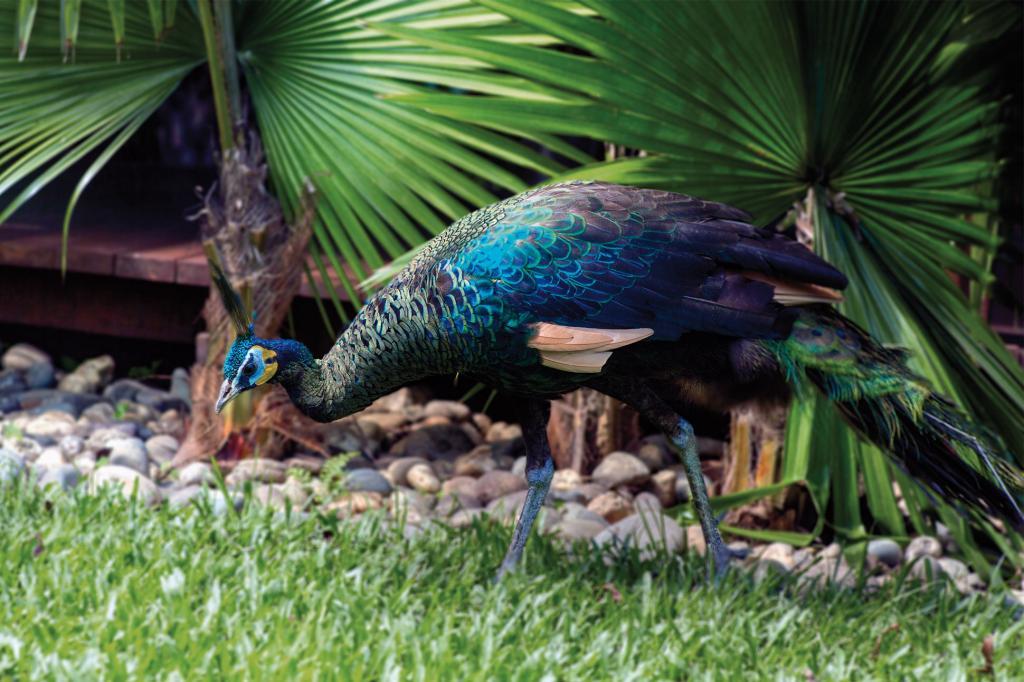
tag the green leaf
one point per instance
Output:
(54, 114)
(764, 535)
(755, 104)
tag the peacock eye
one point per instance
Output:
(247, 370)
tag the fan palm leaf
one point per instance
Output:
(757, 104)
(387, 176)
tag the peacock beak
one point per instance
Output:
(227, 392)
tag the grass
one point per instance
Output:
(98, 587)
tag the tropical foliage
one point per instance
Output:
(387, 175)
(854, 110)
(407, 112)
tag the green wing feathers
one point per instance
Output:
(926, 434)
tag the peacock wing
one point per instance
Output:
(606, 256)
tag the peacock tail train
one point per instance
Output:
(925, 434)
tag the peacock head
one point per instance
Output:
(250, 362)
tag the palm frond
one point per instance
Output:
(388, 176)
(756, 103)
(53, 115)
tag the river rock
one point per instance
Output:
(500, 431)
(257, 469)
(422, 478)
(611, 506)
(827, 571)
(71, 445)
(40, 375)
(9, 403)
(126, 480)
(12, 381)
(100, 414)
(497, 483)
(566, 479)
(181, 385)
(476, 462)
(398, 469)
(663, 485)
(451, 409)
(131, 453)
(268, 495)
(571, 530)
(22, 356)
(196, 473)
(765, 569)
(925, 567)
(51, 424)
(440, 442)
(655, 452)
(621, 468)
(64, 476)
(162, 447)
(43, 399)
(465, 517)
(923, 545)
(51, 458)
(182, 497)
(355, 503)
(11, 465)
(28, 449)
(506, 509)
(101, 438)
(449, 504)
(646, 502)
(459, 485)
(367, 480)
(295, 492)
(574, 510)
(779, 552)
(956, 570)
(695, 540)
(648, 532)
(884, 552)
(587, 492)
(90, 376)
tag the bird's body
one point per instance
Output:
(578, 255)
(667, 302)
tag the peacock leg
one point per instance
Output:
(684, 439)
(539, 470)
(646, 401)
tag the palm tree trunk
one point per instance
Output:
(243, 228)
(586, 425)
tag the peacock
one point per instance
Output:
(665, 302)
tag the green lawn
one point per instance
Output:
(95, 587)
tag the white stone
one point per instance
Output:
(131, 453)
(51, 458)
(648, 532)
(52, 424)
(422, 478)
(196, 473)
(11, 465)
(126, 480)
(21, 356)
(621, 468)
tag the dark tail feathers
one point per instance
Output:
(926, 435)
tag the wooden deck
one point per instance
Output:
(135, 267)
(169, 256)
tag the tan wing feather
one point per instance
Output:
(580, 362)
(581, 349)
(796, 293)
